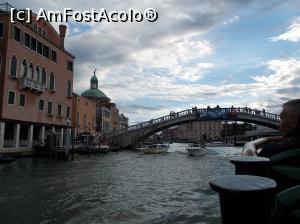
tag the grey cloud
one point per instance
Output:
(110, 45)
(136, 108)
(296, 80)
(289, 91)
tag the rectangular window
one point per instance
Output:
(106, 113)
(58, 110)
(50, 108)
(40, 30)
(35, 27)
(78, 121)
(68, 111)
(11, 97)
(53, 56)
(45, 51)
(70, 65)
(33, 44)
(27, 40)
(17, 34)
(1, 29)
(22, 100)
(39, 47)
(41, 104)
(44, 33)
(84, 121)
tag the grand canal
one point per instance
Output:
(124, 187)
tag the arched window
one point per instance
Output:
(51, 81)
(31, 71)
(38, 75)
(69, 92)
(44, 76)
(13, 66)
(24, 68)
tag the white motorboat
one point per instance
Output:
(156, 148)
(142, 146)
(104, 148)
(196, 149)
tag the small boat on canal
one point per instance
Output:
(142, 146)
(156, 148)
(88, 145)
(5, 158)
(196, 149)
(93, 149)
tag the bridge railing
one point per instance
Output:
(171, 116)
(176, 115)
(160, 120)
(256, 112)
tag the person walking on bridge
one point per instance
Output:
(290, 129)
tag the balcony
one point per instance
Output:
(35, 86)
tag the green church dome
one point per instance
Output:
(94, 91)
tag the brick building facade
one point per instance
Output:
(36, 81)
(83, 114)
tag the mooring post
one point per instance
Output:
(244, 198)
(252, 165)
(72, 152)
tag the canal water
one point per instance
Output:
(124, 187)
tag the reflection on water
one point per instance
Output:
(124, 187)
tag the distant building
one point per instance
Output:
(170, 134)
(107, 113)
(231, 130)
(103, 113)
(254, 132)
(83, 113)
(260, 131)
(123, 121)
(114, 116)
(36, 81)
(199, 130)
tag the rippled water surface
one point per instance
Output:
(124, 187)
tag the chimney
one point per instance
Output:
(62, 34)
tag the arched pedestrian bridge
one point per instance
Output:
(133, 134)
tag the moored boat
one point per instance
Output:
(142, 146)
(93, 149)
(196, 149)
(103, 149)
(5, 158)
(156, 148)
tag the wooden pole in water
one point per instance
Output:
(72, 150)
(72, 140)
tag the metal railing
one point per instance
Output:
(218, 112)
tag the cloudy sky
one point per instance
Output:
(198, 53)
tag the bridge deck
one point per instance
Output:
(137, 131)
